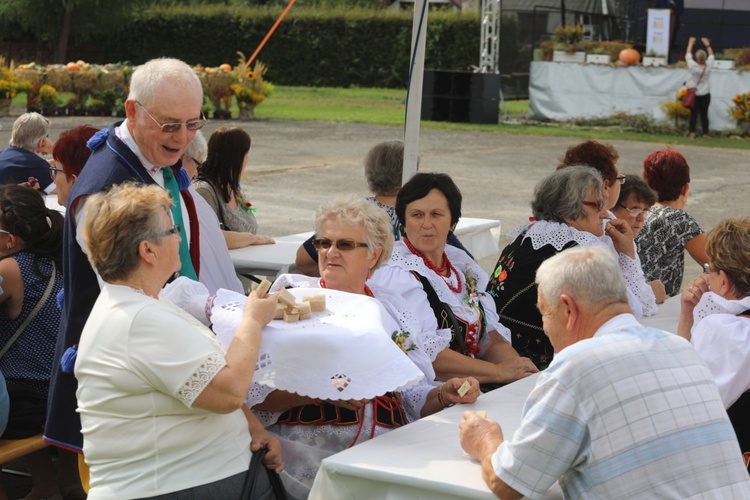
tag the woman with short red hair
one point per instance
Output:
(669, 230)
(70, 155)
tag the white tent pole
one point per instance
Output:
(414, 92)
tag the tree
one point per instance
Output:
(57, 22)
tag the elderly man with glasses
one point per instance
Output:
(21, 159)
(163, 113)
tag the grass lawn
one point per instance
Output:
(386, 107)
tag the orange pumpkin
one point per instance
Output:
(225, 67)
(71, 66)
(630, 56)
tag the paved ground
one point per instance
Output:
(295, 166)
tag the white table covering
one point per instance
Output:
(668, 316)
(479, 236)
(424, 459)
(561, 91)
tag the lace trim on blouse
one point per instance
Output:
(198, 381)
(557, 234)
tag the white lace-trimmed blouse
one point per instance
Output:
(722, 339)
(396, 276)
(141, 364)
(558, 234)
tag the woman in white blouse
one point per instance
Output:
(700, 71)
(160, 400)
(715, 317)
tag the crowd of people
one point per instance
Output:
(125, 317)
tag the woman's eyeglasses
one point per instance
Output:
(168, 128)
(341, 245)
(173, 230)
(707, 269)
(53, 171)
(595, 204)
(635, 211)
(621, 179)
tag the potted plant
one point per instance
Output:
(741, 112)
(249, 88)
(9, 87)
(597, 56)
(724, 60)
(674, 110)
(567, 44)
(48, 100)
(653, 59)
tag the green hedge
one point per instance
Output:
(311, 47)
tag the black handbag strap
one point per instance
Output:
(256, 467)
(33, 312)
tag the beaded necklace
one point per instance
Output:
(368, 292)
(447, 266)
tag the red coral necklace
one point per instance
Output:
(447, 266)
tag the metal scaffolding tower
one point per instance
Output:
(490, 41)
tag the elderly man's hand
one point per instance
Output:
(479, 436)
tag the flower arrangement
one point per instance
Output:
(9, 86)
(249, 87)
(48, 96)
(674, 110)
(741, 109)
(568, 38)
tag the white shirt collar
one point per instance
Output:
(619, 322)
(124, 134)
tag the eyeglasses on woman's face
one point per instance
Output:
(707, 269)
(598, 205)
(344, 245)
(175, 229)
(621, 179)
(53, 171)
(635, 211)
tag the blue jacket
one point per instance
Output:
(17, 165)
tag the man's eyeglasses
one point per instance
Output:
(341, 245)
(621, 178)
(173, 230)
(53, 171)
(169, 128)
(595, 204)
(8, 232)
(635, 211)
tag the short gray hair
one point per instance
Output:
(147, 77)
(700, 56)
(588, 274)
(116, 223)
(28, 129)
(384, 166)
(559, 196)
(198, 149)
(355, 210)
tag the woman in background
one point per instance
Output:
(70, 155)
(669, 230)
(30, 264)
(218, 183)
(700, 71)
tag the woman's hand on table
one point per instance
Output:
(259, 239)
(622, 236)
(451, 395)
(516, 368)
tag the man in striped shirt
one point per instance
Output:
(623, 411)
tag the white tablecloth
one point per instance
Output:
(423, 459)
(668, 316)
(479, 236)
